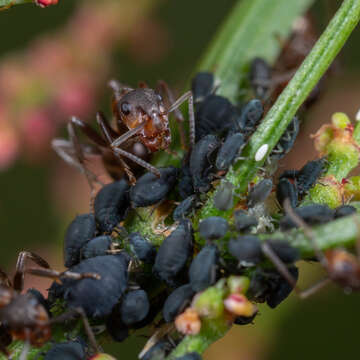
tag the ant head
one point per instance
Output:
(140, 106)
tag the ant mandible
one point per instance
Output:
(23, 316)
(142, 128)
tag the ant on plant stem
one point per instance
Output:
(24, 316)
(142, 128)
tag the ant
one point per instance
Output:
(24, 316)
(142, 128)
(342, 267)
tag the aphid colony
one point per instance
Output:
(123, 281)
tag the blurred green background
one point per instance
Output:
(40, 195)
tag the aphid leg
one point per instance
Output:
(57, 275)
(20, 267)
(307, 230)
(165, 89)
(279, 265)
(120, 152)
(69, 315)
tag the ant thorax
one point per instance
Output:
(143, 106)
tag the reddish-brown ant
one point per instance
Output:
(142, 128)
(23, 316)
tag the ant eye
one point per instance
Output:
(125, 108)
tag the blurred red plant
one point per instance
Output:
(60, 74)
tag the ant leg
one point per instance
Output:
(124, 137)
(174, 107)
(69, 315)
(57, 275)
(81, 159)
(4, 280)
(165, 89)
(307, 230)
(135, 159)
(107, 131)
(20, 267)
(118, 89)
(314, 288)
(25, 350)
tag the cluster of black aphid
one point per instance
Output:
(139, 281)
(142, 284)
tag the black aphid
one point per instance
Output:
(204, 267)
(312, 214)
(201, 162)
(177, 301)
(308, 174)
(190, 356)
(149, 189)
(280, 288)
(159, 351)
(287, 189)
(111, 205)
(215, 115)
(287, 140)
(229, 150)
(246, 249)
(287, 253)
(70, 350)
(174, 252)
(270, 286)
(115, 326)
(243, 221)
(143, 249)
(202, 85)
(245, 320)
(344, 210)
(79, 232)
(184, 208)
(259, 192)
(185, 184)
(260, 77)
(98, 297)
(213, 228)
(224, 196)
(250, 116)
(97, 246)
(134, 307)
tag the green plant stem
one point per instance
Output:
(251, 30)
(5, 4)
(305, 79)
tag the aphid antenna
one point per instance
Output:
(307, 231)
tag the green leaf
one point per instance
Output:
(252, 29)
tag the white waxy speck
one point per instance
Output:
(260, 154)
(357, 116)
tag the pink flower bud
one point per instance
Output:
(188, 323)
(45, 3)
(238, 304)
